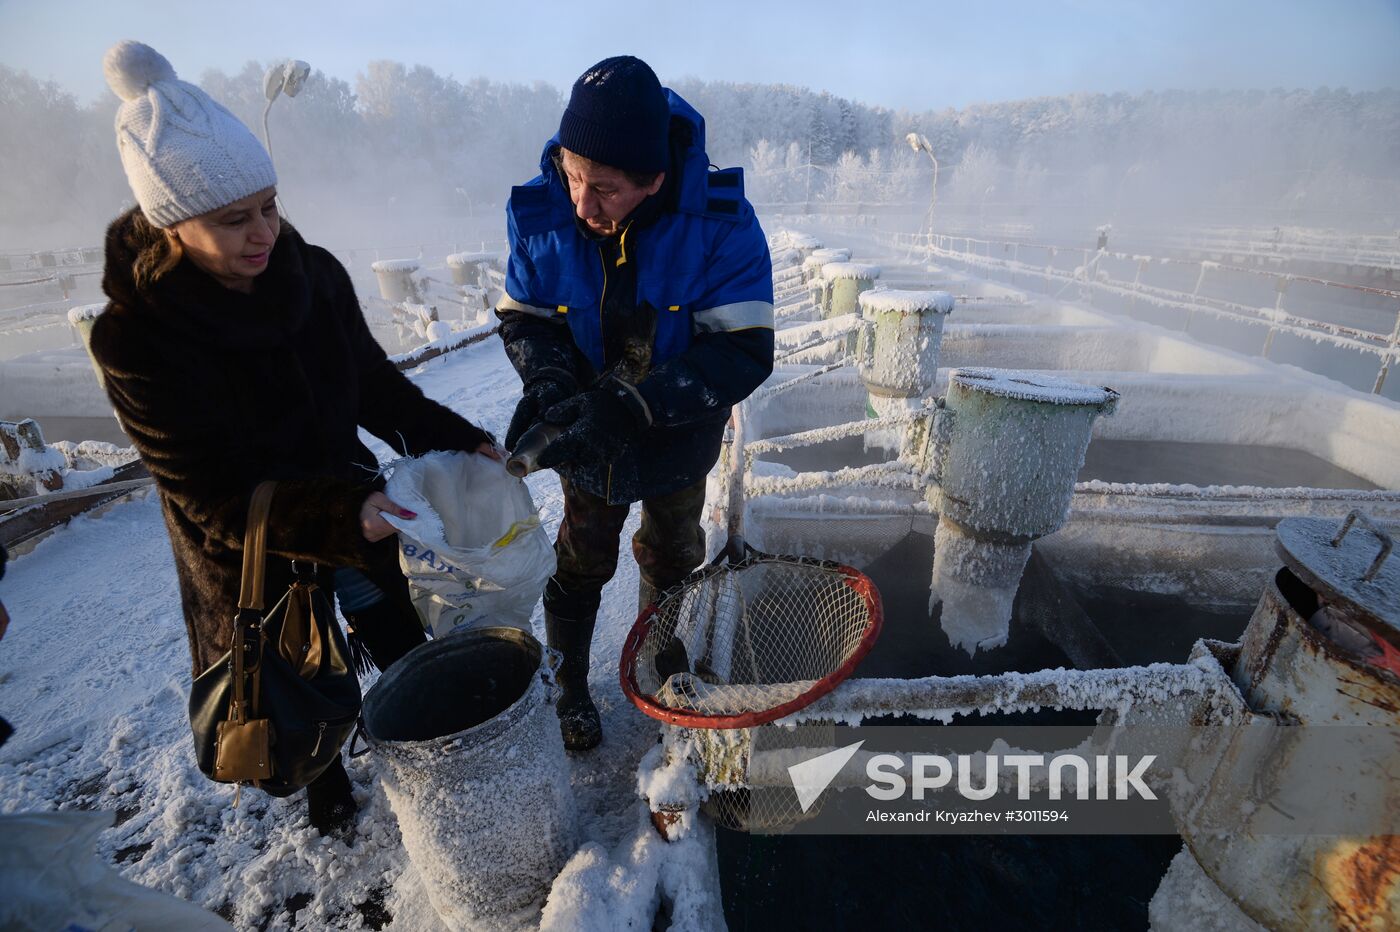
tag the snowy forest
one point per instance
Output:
(404, 140)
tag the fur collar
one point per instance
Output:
(191, 302)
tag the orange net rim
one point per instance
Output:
(631, 649)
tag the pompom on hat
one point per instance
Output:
(183, 153)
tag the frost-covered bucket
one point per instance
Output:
(465, 733)
(396, 279)
(843, 283)
(812, 265)
(1005, 449)
(900, 341)
(466, 267)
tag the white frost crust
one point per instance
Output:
(850, 270)
(907, 302)
(85, 312)
(395, 265)
(1031, 386)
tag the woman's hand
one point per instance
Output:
(487, 448)
(372, 523)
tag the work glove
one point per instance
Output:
(599, 425)
(539, 395)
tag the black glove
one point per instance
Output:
(539, 395)
(599, 425)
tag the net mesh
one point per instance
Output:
(738, 641)
(770, 804)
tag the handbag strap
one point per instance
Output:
(255, 547)
(247, 642)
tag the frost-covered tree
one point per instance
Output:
(848, 180)
(764, 179)
(974, 178)
(437, 146)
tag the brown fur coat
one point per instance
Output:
(220, 390)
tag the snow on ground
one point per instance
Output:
(94, 675)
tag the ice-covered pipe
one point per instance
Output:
(466, 267)
(82, 318)
(842, 284)
(396, 279)
(1004, 452)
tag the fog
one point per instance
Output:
(404, 155)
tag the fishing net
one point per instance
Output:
(742, 644)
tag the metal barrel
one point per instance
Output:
(464, 731)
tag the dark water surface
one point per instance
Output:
(970, 881)
(1146, 461)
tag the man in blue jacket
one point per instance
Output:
(638, 310)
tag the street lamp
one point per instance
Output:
(920, 143)
(284, 78)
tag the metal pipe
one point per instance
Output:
(524, 458)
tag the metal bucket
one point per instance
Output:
(471, 760)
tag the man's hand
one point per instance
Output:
(372, 523)
(598, 425)
(538, 397)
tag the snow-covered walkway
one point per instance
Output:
(94, 675)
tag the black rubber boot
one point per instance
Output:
(332, 803)
(578, 716)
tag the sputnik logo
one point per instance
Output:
(811, 778)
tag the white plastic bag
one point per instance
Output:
(476, 554)
(50, 878)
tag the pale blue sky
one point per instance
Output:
(916, 54)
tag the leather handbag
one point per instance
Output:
(275, 710)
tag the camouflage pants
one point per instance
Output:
(668, 545)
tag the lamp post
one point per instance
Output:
(920, 143)
(284, 78)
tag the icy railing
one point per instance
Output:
(1089, 275)
(1295, 243)
(35, 291)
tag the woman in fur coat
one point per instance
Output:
(233, 352)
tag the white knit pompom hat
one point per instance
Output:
(183, 153)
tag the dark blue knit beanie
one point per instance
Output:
(618, 116)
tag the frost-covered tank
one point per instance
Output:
(396, 279)
(1004, 449)
(842, 283)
